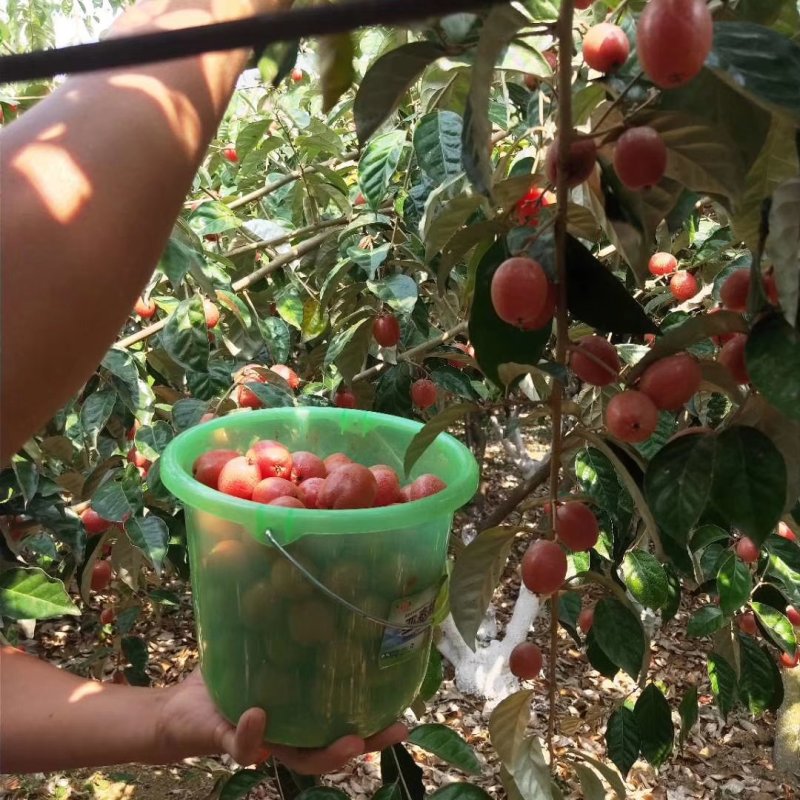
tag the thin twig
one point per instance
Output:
(620, 97)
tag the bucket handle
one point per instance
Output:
(335, 597)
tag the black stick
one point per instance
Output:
(255, 32)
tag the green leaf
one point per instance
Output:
(445, 743)
(437, 145)
(150, 535)
(609, 773)
(689, 711)
(623, 739)
(393, 391)
(507, 725)
(398, 291)
(460, 791)
(654, 719)
(335, 56)
(679, 482)
(670, 608)
(378, 164)
(27, 476)
(598, 659)
(32, 594)
(270, 395)
(348, 349)
(777, 627)
(187, 412)
(152, 439)
(496, 343)
(290, 306)
(442, 222)
(386, 81)
(759, 680)
(530, 773)
(783, 245)
(95, 413)
(755, 60)
(749, 488)
(397, 764)
(434, 675)
(134, 392)
(475, 576)
(185, 337)
(569, 607)
(618, 632)
(705, 621)
(322, 793)
(455, 381)
(733, 584)
(645, 578)
(390, 791)
(117, 500)
(591, 786)
(723, 682)
(239, 784)
(277, 338)
(177, 260)
(773, 363)
(499, 27)
(428, 433)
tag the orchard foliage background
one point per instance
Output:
(384, 173)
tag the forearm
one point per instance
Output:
(93, 179)
(53, 720)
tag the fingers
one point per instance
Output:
(245, 742)
(394, 734)
(317, 762)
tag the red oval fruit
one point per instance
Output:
(580, 163)
(231, 155)
(519, 291)
(721, 338)
(683, 285)
(424, 486)
(297, 75)
(785, 532)
(308, 491)
(211, 313)
(595, 361)
(239, 477)
(582, 5)
(528, 207)
(747, 623)
(272, 458)
(360, 200)
(207, 417)
(388, 485)
(289, 375)
(544, 567)
(272, 488)
(101, 575)
(793, 615)
(640, 157)
(577, 526)
(673, 40)
(307, 465)
(336, 460)
(135, 457)
(287, 501)
(662, 264)
(107, 616)
(631, 416)
(344, 398)
(423, 393)
(525, 661)
(586, 620)
(246, 398)
(605, 47)
(545, 316)
(790, 661)
(747, 550)
(209, 465)
(145, 309)
(672, 381)
(735, 289)
(732, 356)
(349, 486)
(386, 330)
(93, 522)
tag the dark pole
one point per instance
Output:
(255, 32)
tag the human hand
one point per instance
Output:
(190, 725)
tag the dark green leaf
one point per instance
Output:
(177, 260)
(396, 762)
(723, 682)
(27, 476)
(460, 791)
(185, 337)
(705, 621)
(773, 363)
(95, 413)
(569, 606)
(378, 164)
(688, 710)
(32, 594)
(749, 488)
(759, 680)
(453, 380)
(393, 391)
(386, 81)
(187, 412)
(270, 395)
(150, 535)
(390, 791)
(619, 634)
(777, 627)
(399, 292)
(239, 784)
(623, 739)
(733, 584)
(135, 651)
(434, 675)
(427, 434)
(134, 392)
(152, 439)
(117, 500)
(475, 576)
(437, 145)
(324, 793)
(335, 58)
(678, 484)
(654, 720)
(445, 743)
(645, 578)
(126, 619)
(348, 349)
(277, 338)
(598, 659)
(670, 608)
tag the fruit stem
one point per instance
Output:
(565, 136)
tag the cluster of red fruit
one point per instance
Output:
(683, 284)
(269, 473)
(544, 569)
(256, 373)
(146, 309)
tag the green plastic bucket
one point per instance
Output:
(267, 635)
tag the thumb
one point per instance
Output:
(245, 742)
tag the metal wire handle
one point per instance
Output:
(330, 593)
